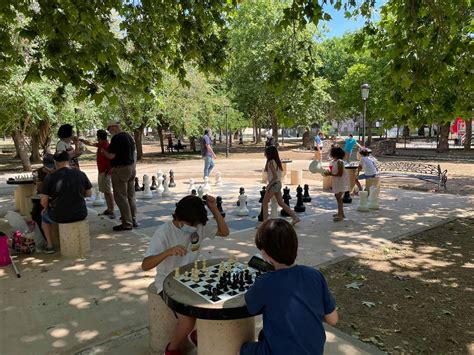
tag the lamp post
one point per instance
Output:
(364, 88)
(226, 108)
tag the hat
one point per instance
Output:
(61, 156)
(48, 160)
(112, 123)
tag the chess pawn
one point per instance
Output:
(166, 188)
(243, 210)
(273, 208)
(347, 197)
(191, 186)
(200, 192)
(99, 199)
(207, 186)
(153, 183)
(218, 179)
(299, 207)
(241, 192)
(137, 185)
(373, 198)
(219, 206)
(160, 187)
(363, 203)
(306, 197)
(159, 173)
(146, 187)
(286, 199)
(262, 194)
(172, 183)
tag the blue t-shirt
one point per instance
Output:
(204, 151)
(349, 144)
(293, 302)
(317, 140)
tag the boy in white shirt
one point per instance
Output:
(177, 243)
(367, 164)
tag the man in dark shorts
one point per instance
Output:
(62, 196)
(121, 153)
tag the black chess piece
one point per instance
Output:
(219, 206)
(137, 185)
(299, 207)
(214, 297)
(306, 196)
(347, 197)
(153, 183)
(241, 192)
(286, 199)
(262, 194)
(194, 192)
(172, 183)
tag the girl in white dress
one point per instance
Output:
(340, 180)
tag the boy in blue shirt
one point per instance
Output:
(294, 299)
(349, 144)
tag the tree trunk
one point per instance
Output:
(138, 135)
(220, 135)
(398, 132)
(430, 130)
(159, 129)
(35, 146)
(274, 122)
(259, 135)
(369, 134)
(443, 144)
(21, 149)
(468, 136)
(192, 143)
(230, 139)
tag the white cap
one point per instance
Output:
(113, 123)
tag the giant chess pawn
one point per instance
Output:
(200, 192)
(166, 189)
(153, 183)
(347, 197)
(207, 186)
(172, 183)
(262, 194)
(99, 199)
(219, 206)
(306, 197)
(299, 207)
(243, 210)
(160, 187)
(241, 192)
(286, 199)
(373, 198)
(218, 179)
(273, 208)
(137, 185)
(363, 203)
(159, 173)
(146, 187)
(191, 186)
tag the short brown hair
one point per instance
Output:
(191, 209)
(279, 240)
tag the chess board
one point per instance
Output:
(205, 285)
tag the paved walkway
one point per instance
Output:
(98, 305)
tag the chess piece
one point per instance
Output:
(363, 203)
(194, 192)
(99, 199)
(153, 183)
(200, 192)
(218, 179)
(160, 187)
(166, 189)
(243, 210)
(146, 187)
(207, 186)
(176, 272)
(219, 206)
(241, 192)
(159, 173)
(347, 197)
(306, 197)
(299, 207)
(172, 183)
(262, 194)
(191, 186)
(137, 185)
(373, 198)
(286, 199)
(273, 208)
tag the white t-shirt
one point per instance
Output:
(368, 166)
(269, 171)
(63, 146)
(168, 236)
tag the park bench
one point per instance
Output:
(421, 171)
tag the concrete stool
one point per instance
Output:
(296, 177)
(74, 239)
(161, 319)
(24, 195)
(372, 182)
(55, 236)
(210, 343)
(327, 182)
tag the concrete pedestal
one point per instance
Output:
(162, 321)
(372, 182)
(55, 236)
(74, 238)
(327, 182)
(352, 178)
(24, 193)
(296, 177)
(283, 172)
(218, 337)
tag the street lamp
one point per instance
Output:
(226, 108)
(364, 88)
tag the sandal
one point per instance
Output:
(295, 221)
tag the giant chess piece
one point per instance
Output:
(172, 183)
(373, 198)
(363, 205)
(347, 197)
(262, 195)
(299, 207)
(219, 206)
(99, 199)
(306, 197)
(159, 173)
(273, 208)
(153, 183)
(241, 192)
(286, 199)
(200, 192)
(146, 187)
(191, 186)
(160, 187)
(137, 185)
(218, 179)
(207, 186)
(166, 188)
(193, 192)
(243, 210)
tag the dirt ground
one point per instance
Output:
(413, 296)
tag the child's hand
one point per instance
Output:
(177, 250)
(211, 202)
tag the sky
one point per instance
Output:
(339, 24)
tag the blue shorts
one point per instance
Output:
(46, 219)
(363, 177)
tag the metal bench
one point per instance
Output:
(422, 171)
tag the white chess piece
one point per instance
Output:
(159, 173)
(207, 186)
(274, 208)
(363, 205)
(160, 188)
(200, 192)
(191, 186)
(166, 188)
(146, 190)
(243, 210)
(99, 199)
(373, 198)
(218, 179)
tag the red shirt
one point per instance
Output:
(103, 164)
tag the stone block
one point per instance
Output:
(75, 239)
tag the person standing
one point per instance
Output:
(121, 153)
(349, 144)
(105, 171)
(66, 139)
(318, 147)
(207, 153)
